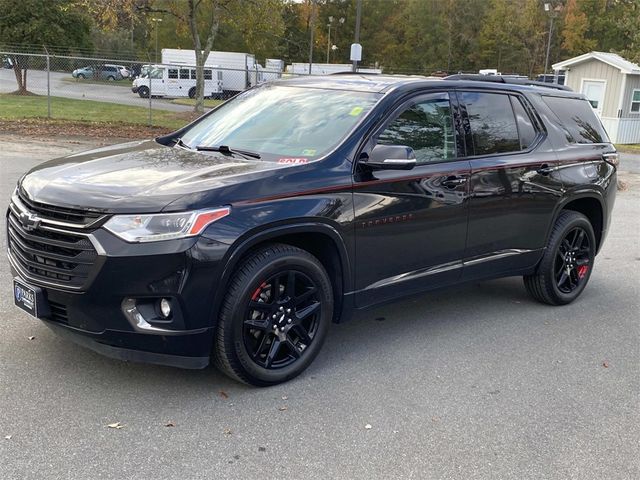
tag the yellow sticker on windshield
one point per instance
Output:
(355, 111)
(309, 152)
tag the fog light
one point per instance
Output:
(165, 308)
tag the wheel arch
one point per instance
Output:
(320, 239)
(591, 205)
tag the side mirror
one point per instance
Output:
(390, 157)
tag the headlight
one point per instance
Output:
(163, 226)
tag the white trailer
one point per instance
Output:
(326, 68)
(177, 81)
(239, 70)
(273, 68)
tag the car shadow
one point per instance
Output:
(444, 312)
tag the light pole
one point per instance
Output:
(329, 37)
(552, 14)
(334, 47)
(156, 21)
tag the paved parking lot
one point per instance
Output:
(64, 85)
(475, 382)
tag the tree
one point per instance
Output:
(41, 22)
(204, 18)
(576, 25)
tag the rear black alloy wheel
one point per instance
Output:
(567, 263)
(572, 260)
(275, 316)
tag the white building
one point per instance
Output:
(612, 85)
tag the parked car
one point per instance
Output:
(98, 72)
(124, 71)
(241, 237)
(7, 62)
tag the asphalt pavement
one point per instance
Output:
(477, 382)
(62, 84)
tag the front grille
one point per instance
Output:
(51, 256)
(76, 217)
(58, 313)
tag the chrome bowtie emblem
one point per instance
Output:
(29, 221)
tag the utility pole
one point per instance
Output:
(329, 38)
(357, 36)
(312, 22)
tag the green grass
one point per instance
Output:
(14, 107)
(630, 148)
(92, 81)
(208, 102)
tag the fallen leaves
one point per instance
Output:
(284, 397)
(227, 431)
(31, 337)
(169, 424)
(368, 426)
(282, 408)
(605, 364)
(116, 425)
(8, 437)
(223, 394)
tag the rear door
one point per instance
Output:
(515, 183)
(411, 225)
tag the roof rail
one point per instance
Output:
(354, 73)
(506, 79)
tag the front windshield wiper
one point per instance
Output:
(228, 151)
(180, 143)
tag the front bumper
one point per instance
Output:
(134, 89)
(184, 271)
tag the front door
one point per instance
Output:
(594, 90)
(514, 187)
(411, 225)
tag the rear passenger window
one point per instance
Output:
(193, 74)
(526, 130)
(492, 123)
(207, 74)
(184, 74)
(578, 118)
(173, 73)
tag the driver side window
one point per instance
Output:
(427, 127)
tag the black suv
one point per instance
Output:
(242, 236)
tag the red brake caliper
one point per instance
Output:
(256, 294)
(582, 271)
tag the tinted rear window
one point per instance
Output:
(493, 125)
(578, 119)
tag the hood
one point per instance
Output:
(134, 177)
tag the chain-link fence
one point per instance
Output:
(90, 88)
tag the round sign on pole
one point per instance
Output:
(356, 52)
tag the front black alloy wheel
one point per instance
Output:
(567, 263)
(282, 319)
(275, 316)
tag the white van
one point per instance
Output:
(176, 81)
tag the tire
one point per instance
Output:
(111, 78)
(192, 92)
(143, 92)
(81, 75)
(559, 279)
(262, 356)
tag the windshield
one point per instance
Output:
(285, 124)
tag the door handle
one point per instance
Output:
(453, 181)
(544, 169)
